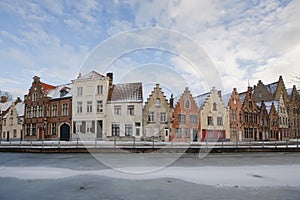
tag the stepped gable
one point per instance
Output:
(152, 94)
(126, 92)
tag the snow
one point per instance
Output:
(201, 99)
(5, 106)
(272, 87)
(249, 176)
(20, 107)
(127, 92)
(55, 94)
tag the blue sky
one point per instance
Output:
(245, 40)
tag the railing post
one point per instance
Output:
(297, 143)
(30, 143)
(250, 143)
(275, 143)
(263, 144)
(58, 143)
(42, 144)
(133, 142)
(153, 142)
(115, 140)
(222, 143)
(95, 142)
(77, 142)
(9, 143)
(286, 143)
(20, 144)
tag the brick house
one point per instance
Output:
(249, 116)
(214, 118)
(235, 106)
(264, 122)
(157, 115)
(4, 106)
(45, 111)
(186, 124)
(294, 113)
(274, 120)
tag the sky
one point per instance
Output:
(195, 44)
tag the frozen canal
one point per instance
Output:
(150, 176)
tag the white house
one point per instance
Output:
(13, 122)
(90, 93)
(124, 111)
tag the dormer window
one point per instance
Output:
(64, 91)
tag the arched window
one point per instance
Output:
(157, 103)
(187, 103)
(214, 106)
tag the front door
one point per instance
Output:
(99, 128)
(40, 133)
(7, 134)
(65, 132)
(195, 135)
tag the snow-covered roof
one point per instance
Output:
(20, 107)
(289, 91)
(269, 104)
(91, 75)
(66, 90)
(5, 106)
(200, 99)
(226, 99)
(127, 92)
(272, 87)
(242, 96)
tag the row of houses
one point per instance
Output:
(92, 107)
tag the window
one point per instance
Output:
(214, 106)
(28, 129)
(53, 128)
(15, 132)
(259, 95)
(128, 129)
(41, 111)
(250, 104)
(33, 129)
(28, 112)
(233, 115)
(99, 89)
(137, 128)
(234, 132)
(246, 133)
(130, 110)
(79, 107)
(79, 91)
(151, 117)
(157, 102)
(234, 102)
(163, 117)
(89, 127)
(34, 97)
(246, 116)
(250, 117)
(115, 129)
(181, 118)
(11, 112)
(100, 106)
(117, 110)
(220, 121)
(34, 111)
(54, 111)
(187, 103)
(79, 126)
(178, 132)
(255, 118)
(65, 109)
(89, 106)
(210, 121)
(4, 122)
(193, 119)
(3, 135)
(187, 132)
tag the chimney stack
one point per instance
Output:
(220, 94)
(3, 99)
(172, 101)
(110, 75)
(18, 100)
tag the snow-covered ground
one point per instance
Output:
(216, 176)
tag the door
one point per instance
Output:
(40, 133)
(7, 134)
(99, 129)
(65, 132)
(195, 135)
(166, 135)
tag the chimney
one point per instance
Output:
(3, 99)
(220, 94)
(79, 75)
(36, 79)
(18, 100)
(110, 75)
(172, 101)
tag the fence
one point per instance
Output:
(149, 144)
